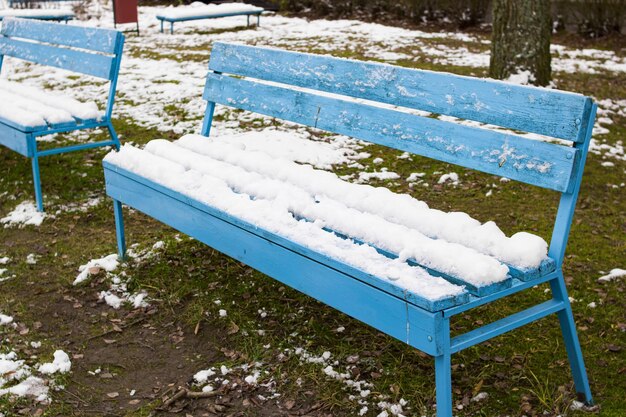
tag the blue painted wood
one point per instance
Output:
(72, 60)
(572, 344)
(208, 16)
(548, 112)
(471, 288)
(530, 161)
(547, 266)
(443, 373)
(556, 114)
(332, 286)
(14, 140)
(37, 182)
(506, 324)
(119, 230)
(21, 39)
(172, 20)
(567, 204)
(516, 286)
(382, 284)
(57, 18)
(92, 39)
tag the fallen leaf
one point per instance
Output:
(113, 394)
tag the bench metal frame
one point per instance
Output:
(95, 52)
(172, 20)
(376, 302)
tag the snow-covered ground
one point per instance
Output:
(161, 71)
(153, 81)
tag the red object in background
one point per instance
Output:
(125, 11)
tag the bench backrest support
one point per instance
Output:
(405, 108)
(91, 51)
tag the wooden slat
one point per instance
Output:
(547, 112)
(72, 60)
(14, 139)
(207, 16)
(534, 162)
(94, 39)
(151, 191)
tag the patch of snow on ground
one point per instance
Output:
(108, 263)
(5, 320)
(31, 259)
(61, 364)
(614, 274)
(24, 214)
(452, 178)
(361, 391)
(365, 177)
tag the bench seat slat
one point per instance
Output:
(552, 113)
(15, 140)
(534, 162)
(100, 40)
(471, 268)
(144, 194)
(72, 60)
(207, 16)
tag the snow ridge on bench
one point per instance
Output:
(30, 106)
(273, 216)
(522, 250)
(392, 224)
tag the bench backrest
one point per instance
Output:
(320, 91)
(90, 51)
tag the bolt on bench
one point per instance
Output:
(386, 259)
(27, 113)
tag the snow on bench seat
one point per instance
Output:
(207, 11)
(314, 208)
(31, 108)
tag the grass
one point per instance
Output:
(524, 372)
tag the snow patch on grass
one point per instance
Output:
(23, 215)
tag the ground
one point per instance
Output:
(266, 345)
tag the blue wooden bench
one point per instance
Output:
(178, 15)
(298, 93)
(56, 45)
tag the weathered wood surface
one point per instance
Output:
(92, 39)
(534, 162)
(72, 60)
(552, 113)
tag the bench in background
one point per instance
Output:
(211, 11)
(318, 243)
(55, 45)
(38, 14)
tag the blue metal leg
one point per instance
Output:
(443, 373)
(119, 229)
(248, 20)
(572, 344)
(114, 136)
(161, 26)
(37, 183)
(171, 28)
(443, 378)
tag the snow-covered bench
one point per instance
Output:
(386, 259)
(27, 112)
(59, 15)
(210, 11)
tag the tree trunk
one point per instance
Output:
(521, 39)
